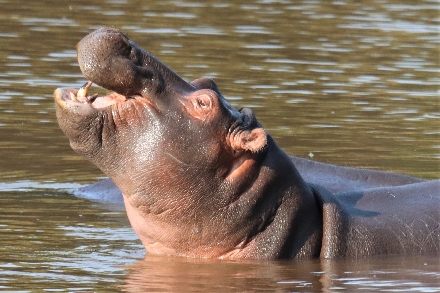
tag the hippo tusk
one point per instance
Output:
(82, 92)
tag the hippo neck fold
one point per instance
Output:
(285, 212)
(275, 207)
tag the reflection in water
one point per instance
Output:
(382, 274)
(186, 275)
(350, 83)
(162, 274)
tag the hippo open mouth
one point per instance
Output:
(109, 59)
(81, 96)
(82, 99)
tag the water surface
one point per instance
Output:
(348, 83)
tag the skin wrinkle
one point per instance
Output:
(409, 234)
(258, 204)
(179, 161)
(202, 179)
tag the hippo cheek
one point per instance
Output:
(102, 131)
(79, 122)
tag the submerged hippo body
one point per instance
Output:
(202, 179)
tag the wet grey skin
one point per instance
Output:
(202, 179)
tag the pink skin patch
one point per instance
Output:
(110, 99)
(96, 101)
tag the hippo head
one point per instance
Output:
(178, 151)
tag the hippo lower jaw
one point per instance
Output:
(92, 122)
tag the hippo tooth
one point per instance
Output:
(82, 92)
(73, 97)
(91, 99)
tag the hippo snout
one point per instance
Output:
(108, 58)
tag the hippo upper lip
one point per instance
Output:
(110, 59)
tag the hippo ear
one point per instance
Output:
(202, 104)
(252, 140)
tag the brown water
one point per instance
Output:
(349, 83)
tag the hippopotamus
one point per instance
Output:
(202, 179)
